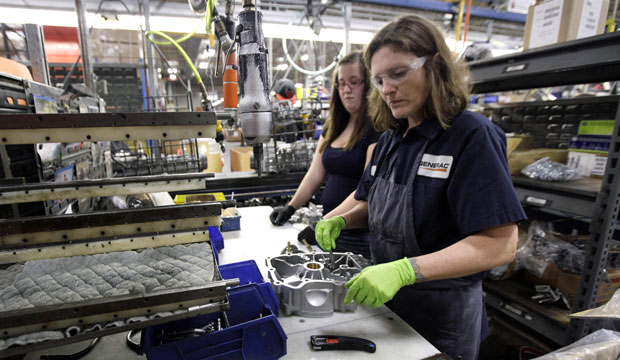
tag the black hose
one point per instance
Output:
(73, 356)
(133, 345)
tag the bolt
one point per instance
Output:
(256, 106)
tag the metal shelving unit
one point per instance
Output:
(595, 59)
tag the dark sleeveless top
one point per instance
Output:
(344, 170)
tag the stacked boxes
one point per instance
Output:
(555, 21)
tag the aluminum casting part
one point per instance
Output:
(306, 286)
(101, 187)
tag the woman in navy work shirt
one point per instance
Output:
(343, 150)
(437, 195)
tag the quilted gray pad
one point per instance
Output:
(67, 280)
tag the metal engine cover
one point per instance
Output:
(308, 285)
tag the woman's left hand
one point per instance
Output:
(377, 284)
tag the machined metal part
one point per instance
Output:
(210, 308)
(199, 300)
(23, 321)
(101, 187)
(46, 128)
(311, 284)
(106, 225)
(102, 246)
(193, 300)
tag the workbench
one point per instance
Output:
(259, 239)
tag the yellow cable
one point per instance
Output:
(176, 44)
(459, 21)
(181, 39)
(211, 4)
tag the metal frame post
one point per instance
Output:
(87, 65)
(602, 229)
(36, 52)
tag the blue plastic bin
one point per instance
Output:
(217, 240)
(231, 223)
(247, 272)
(254, 333)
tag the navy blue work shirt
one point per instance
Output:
(463, 184)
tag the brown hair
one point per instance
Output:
(447, 77)
(338, 115)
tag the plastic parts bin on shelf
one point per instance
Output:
(253, 332)
(247, 272)
(217, 240)
(231, 223)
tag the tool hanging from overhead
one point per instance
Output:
(254, 102)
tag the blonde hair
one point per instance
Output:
(447, 77)
(338, 115)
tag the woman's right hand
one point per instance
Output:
(327, 231)
(281, 214)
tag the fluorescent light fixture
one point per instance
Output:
(278, 31)
(282, 67)
(304, 57)
(203, 65)
(211, 52)
(15, 15)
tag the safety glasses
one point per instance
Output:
(353, 83)
(398, 75)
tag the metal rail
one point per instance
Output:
(101, 187)
(105, 225)
(45, 128)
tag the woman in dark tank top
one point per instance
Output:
(344, 149)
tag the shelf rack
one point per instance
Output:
(590, 60)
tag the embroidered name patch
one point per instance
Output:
(435, 166)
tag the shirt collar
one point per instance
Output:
(429, 129)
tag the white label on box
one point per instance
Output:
(590, 15)
(582, 162)
(546, 23)
(599, 165)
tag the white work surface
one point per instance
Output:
(259, 239)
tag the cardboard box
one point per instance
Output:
(554, 21)
(520, 159)
(240, 158)
(214, 163)
(232, 134)
(568, 282)
(518, 143)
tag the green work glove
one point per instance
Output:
(377, 284)
(327, 231)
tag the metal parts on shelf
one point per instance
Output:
(46, 128)
(594, 59)
(312, 284)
